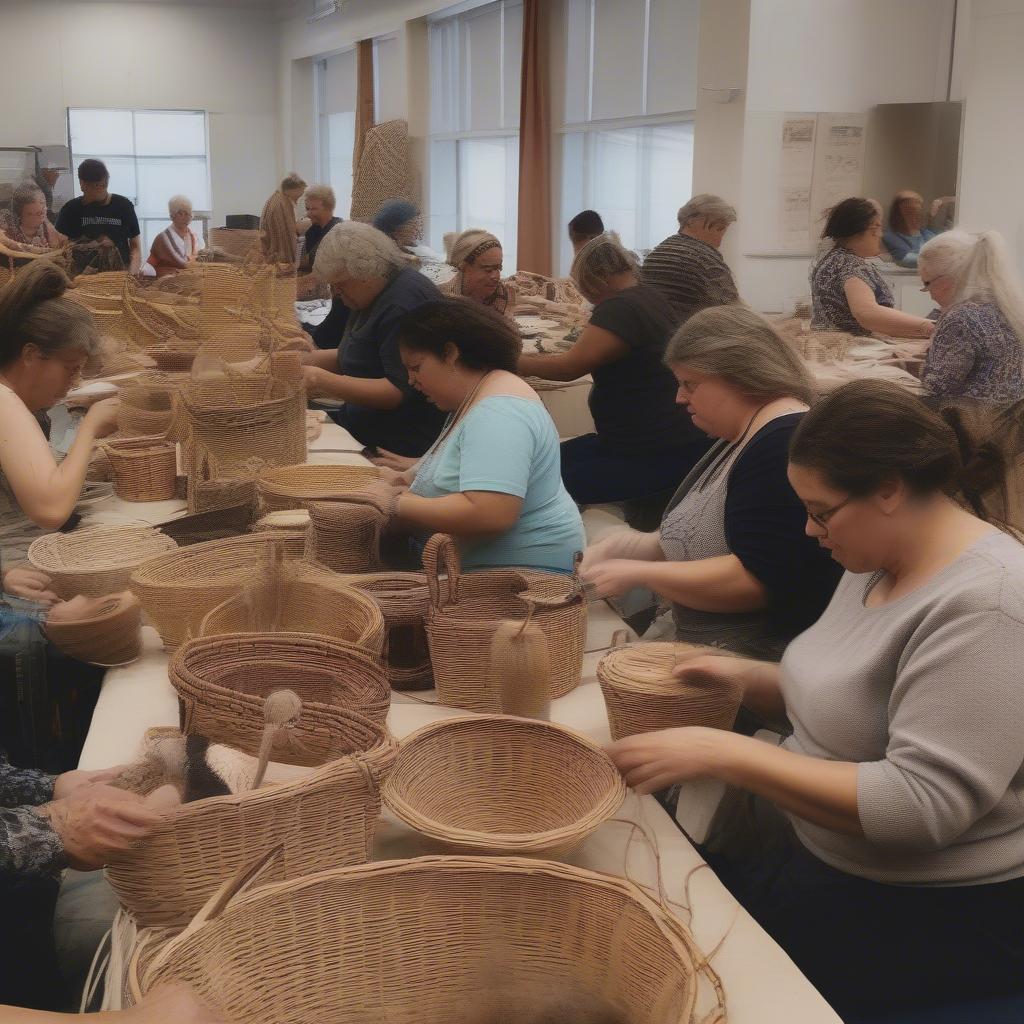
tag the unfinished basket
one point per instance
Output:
(465, 609)
(246, 667)
(388, 942)
(321, 820)
(144, 468)
(302, 598)
(642, 695)
(96, 560)
(147, 404)
(345, 535)
(502, 785)
(110, 636)
(289, 487)
(404, 600)
(179, 588)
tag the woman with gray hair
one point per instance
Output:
(176, 246)
(731, 556)
(25, 225)
(645, 443)
(687, 268)
(368, 272)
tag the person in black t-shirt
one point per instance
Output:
(99, 216)
(320, 202)
(645, 442)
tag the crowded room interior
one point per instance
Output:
(511, 512)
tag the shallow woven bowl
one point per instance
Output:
(641, 694)
(96, 560)
(502, 785)
(418, 941)
(112, 636)
(290, 487)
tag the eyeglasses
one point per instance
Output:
(822, 518)
(928, 284)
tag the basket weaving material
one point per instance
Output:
(404, 600)
(323, 819)
(179, 588)
(96, 560)
(144, 468)
(386, 942)
(322, 671)
(465, 610)
(290, 487)
(109, 637)
(503, 785)
(642, 695)
(345, 535)
(302, 598)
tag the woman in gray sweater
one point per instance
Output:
(894, 874)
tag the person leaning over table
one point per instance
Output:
(882, 844)
(645, 442)
(400, 220)
(492, 478)
(847, 292)
(382, 409)
(477, 257)
(731, 555)
(26, 224)
(977, 350)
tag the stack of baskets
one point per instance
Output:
(642, 695)
(289, 487)
(404, 600)
(143, 468)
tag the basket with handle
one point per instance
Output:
(302, 598)
(345, 536)
(386, 942)
(180, 587)
(497, 784)
(96, 560)
(289, 487)
(465, 609)
(144, 468)
(642, 695)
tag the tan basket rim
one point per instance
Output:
(42, 547)
(617, 669)
(289, 481)
(114, 605)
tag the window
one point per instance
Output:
(151, 155)
(475, 60)
(627, 134)
(335, 91)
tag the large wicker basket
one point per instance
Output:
(324, 819)
(642, 695)
(144, 468)
(96, 560)
(345, 535)
(404, 601)
(290, 487)
(302, 598)
(387, 942)
(465, 608)
(243, 668)
(179, 588)
(502, 785)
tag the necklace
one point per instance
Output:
(451, 423)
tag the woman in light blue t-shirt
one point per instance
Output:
(493, 479)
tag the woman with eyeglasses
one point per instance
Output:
(882, 844)
(977, 350)
(731, 557)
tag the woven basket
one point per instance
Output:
(289, 487)
(302, 598)
(345, 535)
(466, 608)
(147, 404)
(109, 637)
(173, 358)
(144, 468)
(501, 785)
(96, 560)
(641, 694)
(404, 600)
(240, 668)
(323, 819)
(179, 588)
(387, 942)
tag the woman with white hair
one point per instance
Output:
(176, 246)
(368, 272)
(476, 256)
(977, 350)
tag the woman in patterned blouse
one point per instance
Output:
(848, 293)
(25, 224)
(976, 351)
(477, 257)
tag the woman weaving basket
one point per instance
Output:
(882, 845)
(476, 256)
(731, 555)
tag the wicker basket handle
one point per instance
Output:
(441, 547)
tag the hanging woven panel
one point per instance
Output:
(385, 170)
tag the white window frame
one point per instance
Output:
(321, 139)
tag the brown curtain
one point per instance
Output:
(534, 248)
(364, 98)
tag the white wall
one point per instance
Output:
(147, 55)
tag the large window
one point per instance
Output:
(151, 155)
(335, 91)
(475, 59)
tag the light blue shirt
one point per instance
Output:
(509, 445)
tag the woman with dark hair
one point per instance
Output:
(907, 232)
(492, 478)
(400, 220)
(848, 293)
(882, 844)
(583, 227)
